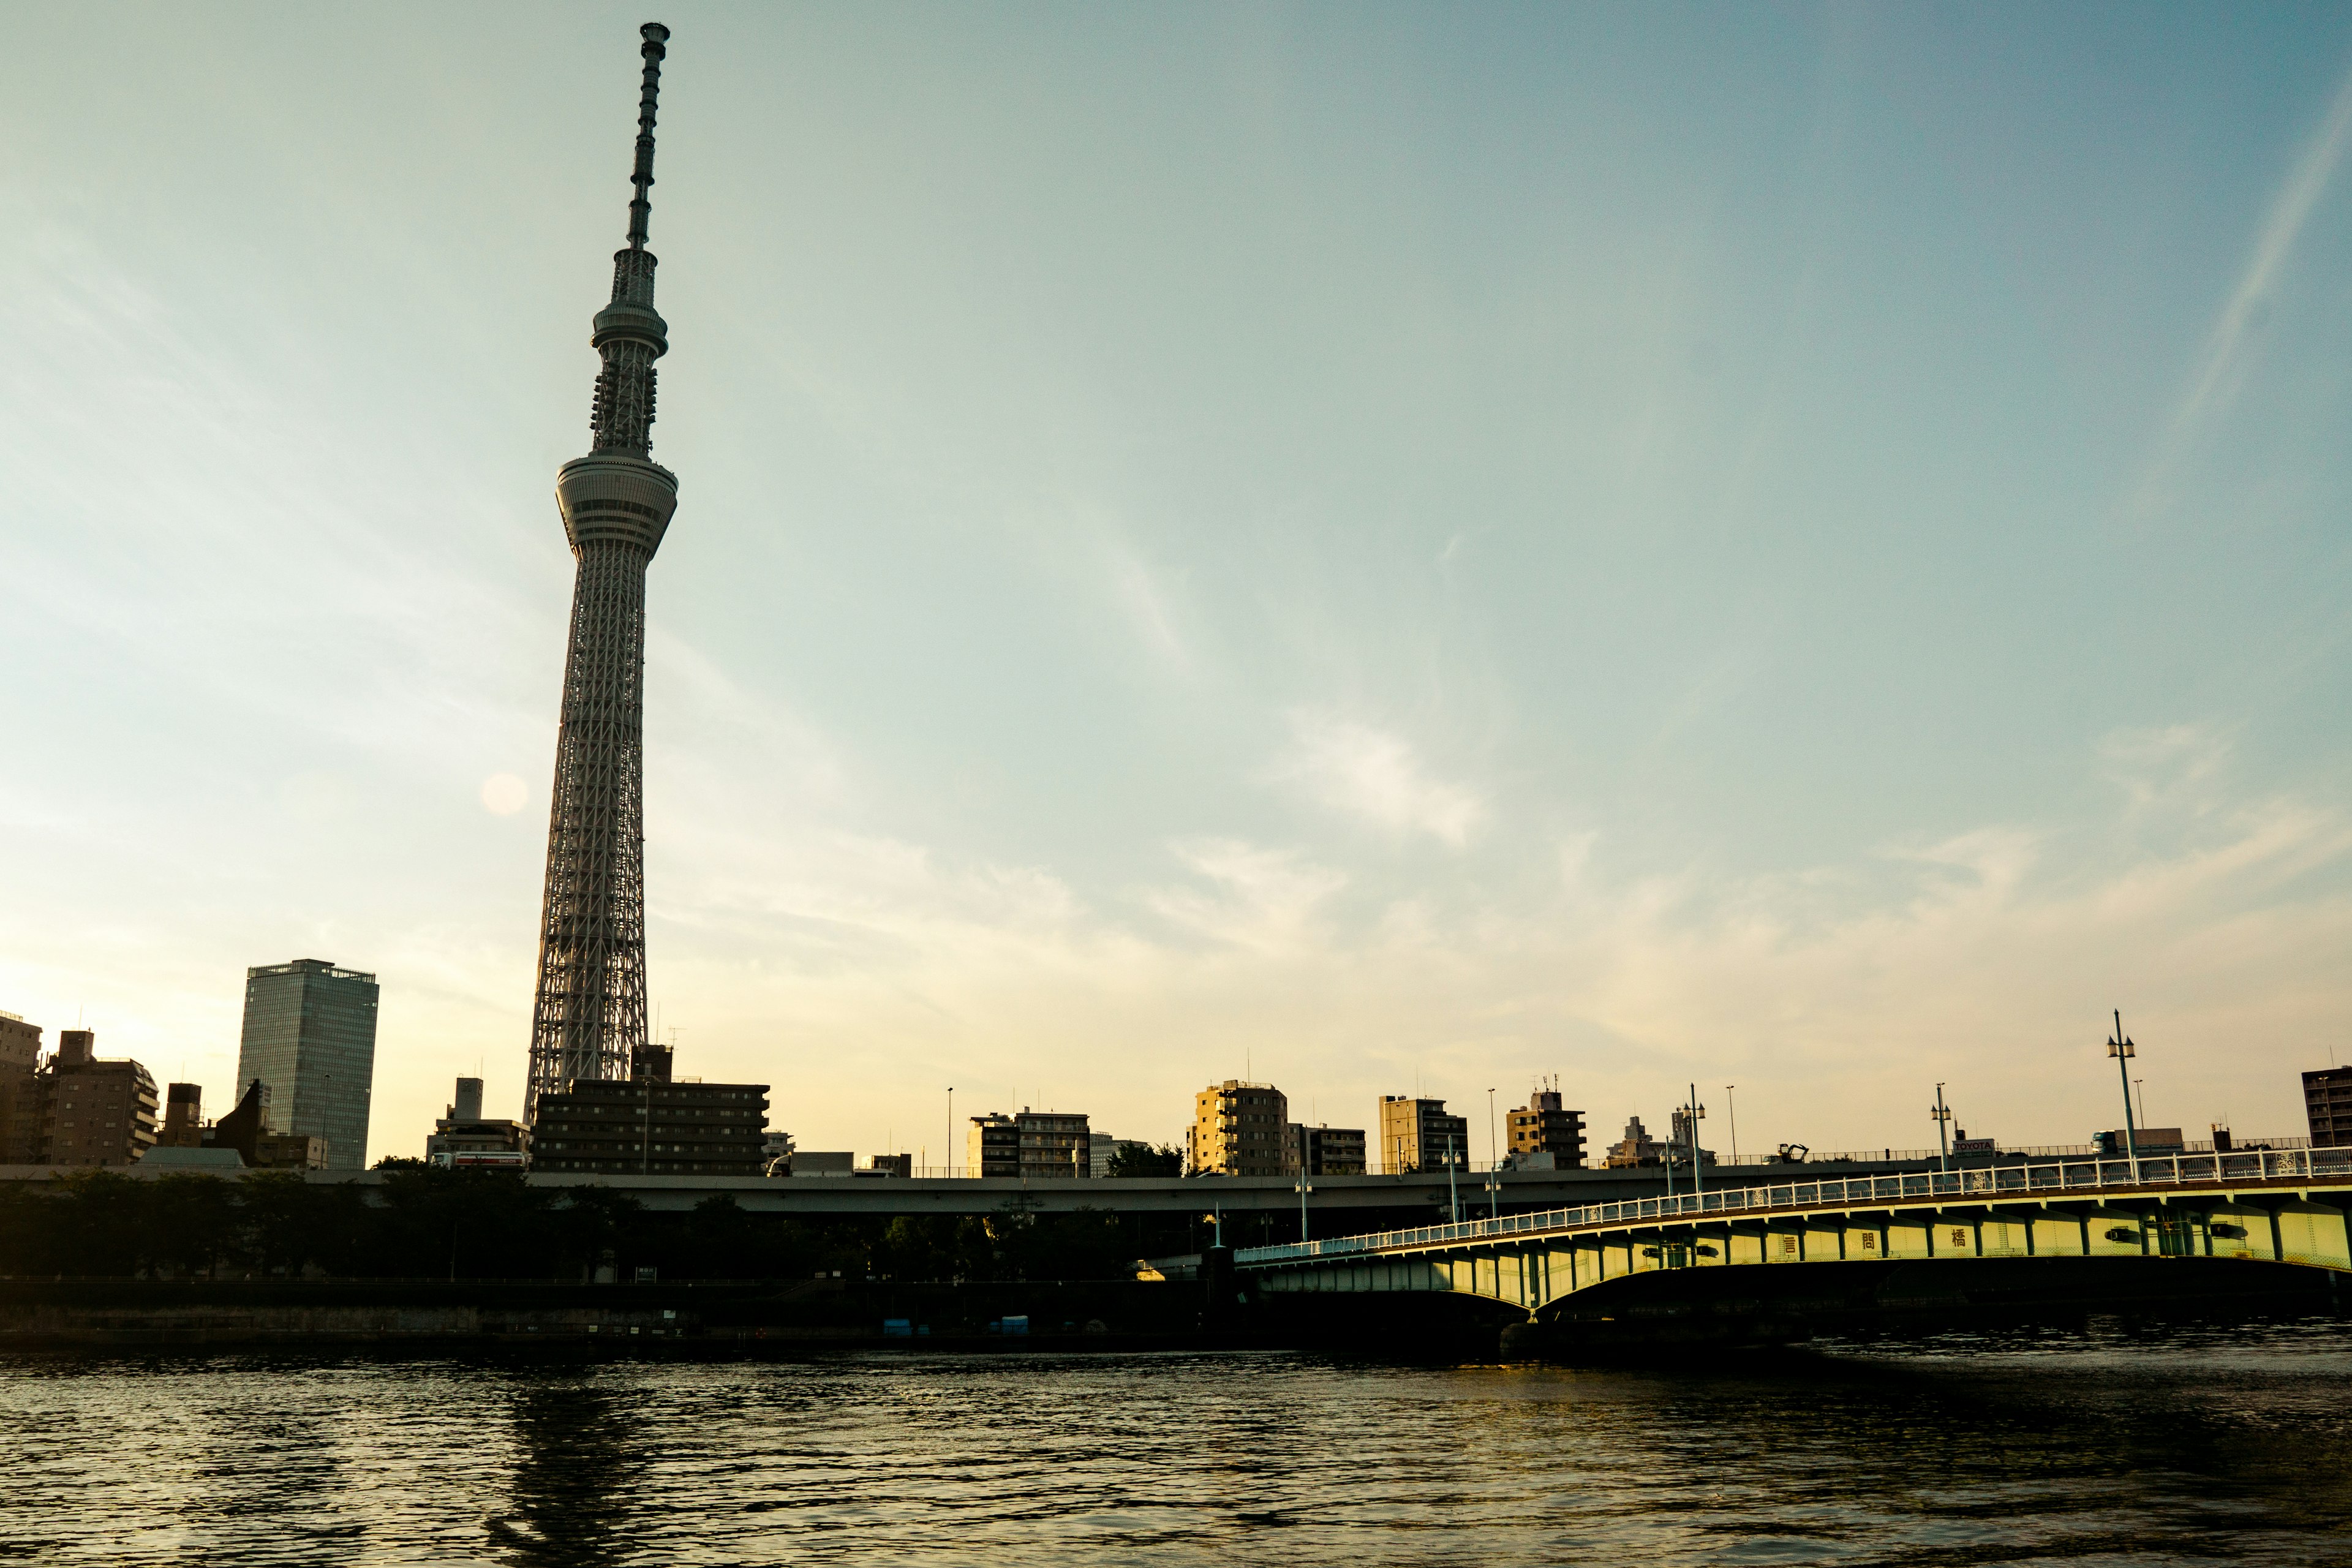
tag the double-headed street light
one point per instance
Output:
(2122, 1050)
(1691, 1114)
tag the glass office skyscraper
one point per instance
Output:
(309, 1035)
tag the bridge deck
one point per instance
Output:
(2258, 1204)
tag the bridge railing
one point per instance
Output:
(2083, 1175)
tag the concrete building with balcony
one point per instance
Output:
(2328, 1106)
(20, 1065)
(1037, 1145)
(1321, 1151)
(1242, 1129)
(1544, 1126)
(992, 1146)
(309, 1035)
(92, 1111)
(652, 1124)
(1416, 1134)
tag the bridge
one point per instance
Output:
(2286, 1206)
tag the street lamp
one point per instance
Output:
(1691, 1113)
(948, 1154)
(1731, 1109)
(1453, 1189)
(1304, 1188)
(1494, 1164)
(1943, 1115)
(2122, 1050)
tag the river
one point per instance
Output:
(2113, 1445)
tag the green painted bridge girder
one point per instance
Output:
(2294, 1223)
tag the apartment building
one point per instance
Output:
(1416, 1134)
(1242, 1129)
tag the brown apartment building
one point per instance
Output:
(1037, 1145)
(652, 1124)
(20, 1065)
(2327, 1105)
(1327, 1150)
(1416, 1134)
(1544, 1127)
(92, 1111)
(1240, 1130)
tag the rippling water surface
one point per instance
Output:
(2178, 1446)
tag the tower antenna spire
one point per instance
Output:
(641, 207)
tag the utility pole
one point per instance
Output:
(1453, 1187)
(1943, 1115)
(1732, 1110)
(1303, 1189)
(2122, 1050)
(949, 1156)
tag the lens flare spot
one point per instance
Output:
(504, 793)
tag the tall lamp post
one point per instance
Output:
(1691, 1113)
(1943, 1115)
(948, 1154)
(1731, 1109)
(1304, 1188)
(1453, 1185)
(1494, 1164)
(2122, 1050)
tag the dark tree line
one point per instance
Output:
(435, 1223)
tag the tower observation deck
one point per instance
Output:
(588, 1016)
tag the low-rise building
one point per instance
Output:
(183, 1117)
(1321, 1151)
(1103, 1147)
(1545, 1126)
(652, 1124)
(2327, 1105)
(1637, 1148)
(247, 1129)
(1416, 1134)
(1242, 1129)
(464, 1136)
(1682, 1139)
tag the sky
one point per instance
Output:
(1801, 550)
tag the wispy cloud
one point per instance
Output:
(2222, 368)
(1376, 776)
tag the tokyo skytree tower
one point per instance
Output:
(589, 1014)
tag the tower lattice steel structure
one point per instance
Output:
(588, 1016)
